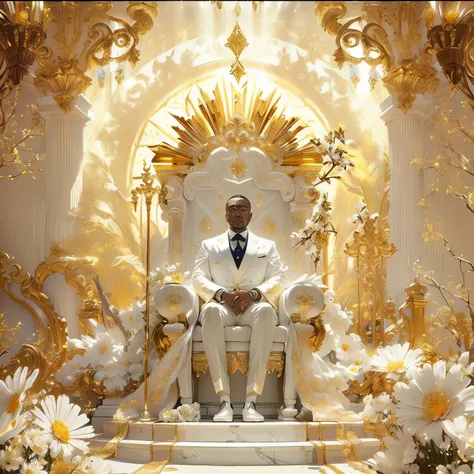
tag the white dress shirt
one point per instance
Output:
(234, 243)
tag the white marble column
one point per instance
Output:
(406, 137)
(62, 176)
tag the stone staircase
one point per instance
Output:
(271, 443)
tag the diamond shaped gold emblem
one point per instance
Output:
(237, 70)
(237, 41)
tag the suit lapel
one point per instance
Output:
(224, 251)
(249, 257)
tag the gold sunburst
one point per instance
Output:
(238, 120)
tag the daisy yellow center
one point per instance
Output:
(435, 405)
(345, 347)
(29, 471)
(14, 404)
(470, 442)
(61, 431)
(395, 365)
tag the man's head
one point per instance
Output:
(238, 213)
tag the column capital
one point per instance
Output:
(389, 110)
(47, 105)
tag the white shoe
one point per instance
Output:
(250, 413)
(225, 412)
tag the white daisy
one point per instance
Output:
(349, 347)
(102, 348)
(36, 440)
(396, 360)
(432, 397)
(334, 315)
(12, 390)
(462, 433)
(398, 456)
(11, 458)
(63, 426)
(133, 318)
(33, 467)
(69, 372)
(378, 409)
(11, 426)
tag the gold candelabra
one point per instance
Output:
(452, 41)
(148, 190)
(22, 34)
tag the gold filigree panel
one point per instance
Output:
(238, 361)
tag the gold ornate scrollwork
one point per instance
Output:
(372, 41)
(374, 384)
(370, 247)
(64, 74)
(319, 331)
(406, 72)
(49, 351)
(162, 342)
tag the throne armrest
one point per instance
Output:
(178, 307)
(299, 303)
(176, 303)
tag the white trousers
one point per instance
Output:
(262, 318)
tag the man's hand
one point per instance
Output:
(241, 301)
(238, 301)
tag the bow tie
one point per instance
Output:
(238, 237)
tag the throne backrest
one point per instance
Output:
(224, 174)
(195, 208)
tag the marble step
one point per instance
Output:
(236, 431)
(239, 454)
(123, 467)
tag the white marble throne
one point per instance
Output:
(196, 210)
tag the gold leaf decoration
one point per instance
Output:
(239, 168)
(206, 224)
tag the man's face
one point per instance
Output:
(238, 214)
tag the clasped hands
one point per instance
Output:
(237, 300)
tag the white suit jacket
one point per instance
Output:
(261, 268)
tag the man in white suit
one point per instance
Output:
(239, 276)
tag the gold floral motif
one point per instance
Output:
(174, 301)
(205, 226)
(304, 303)
(269, 227)
(239, 168)
(258, 200)
(411, 78)
(238, 361)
